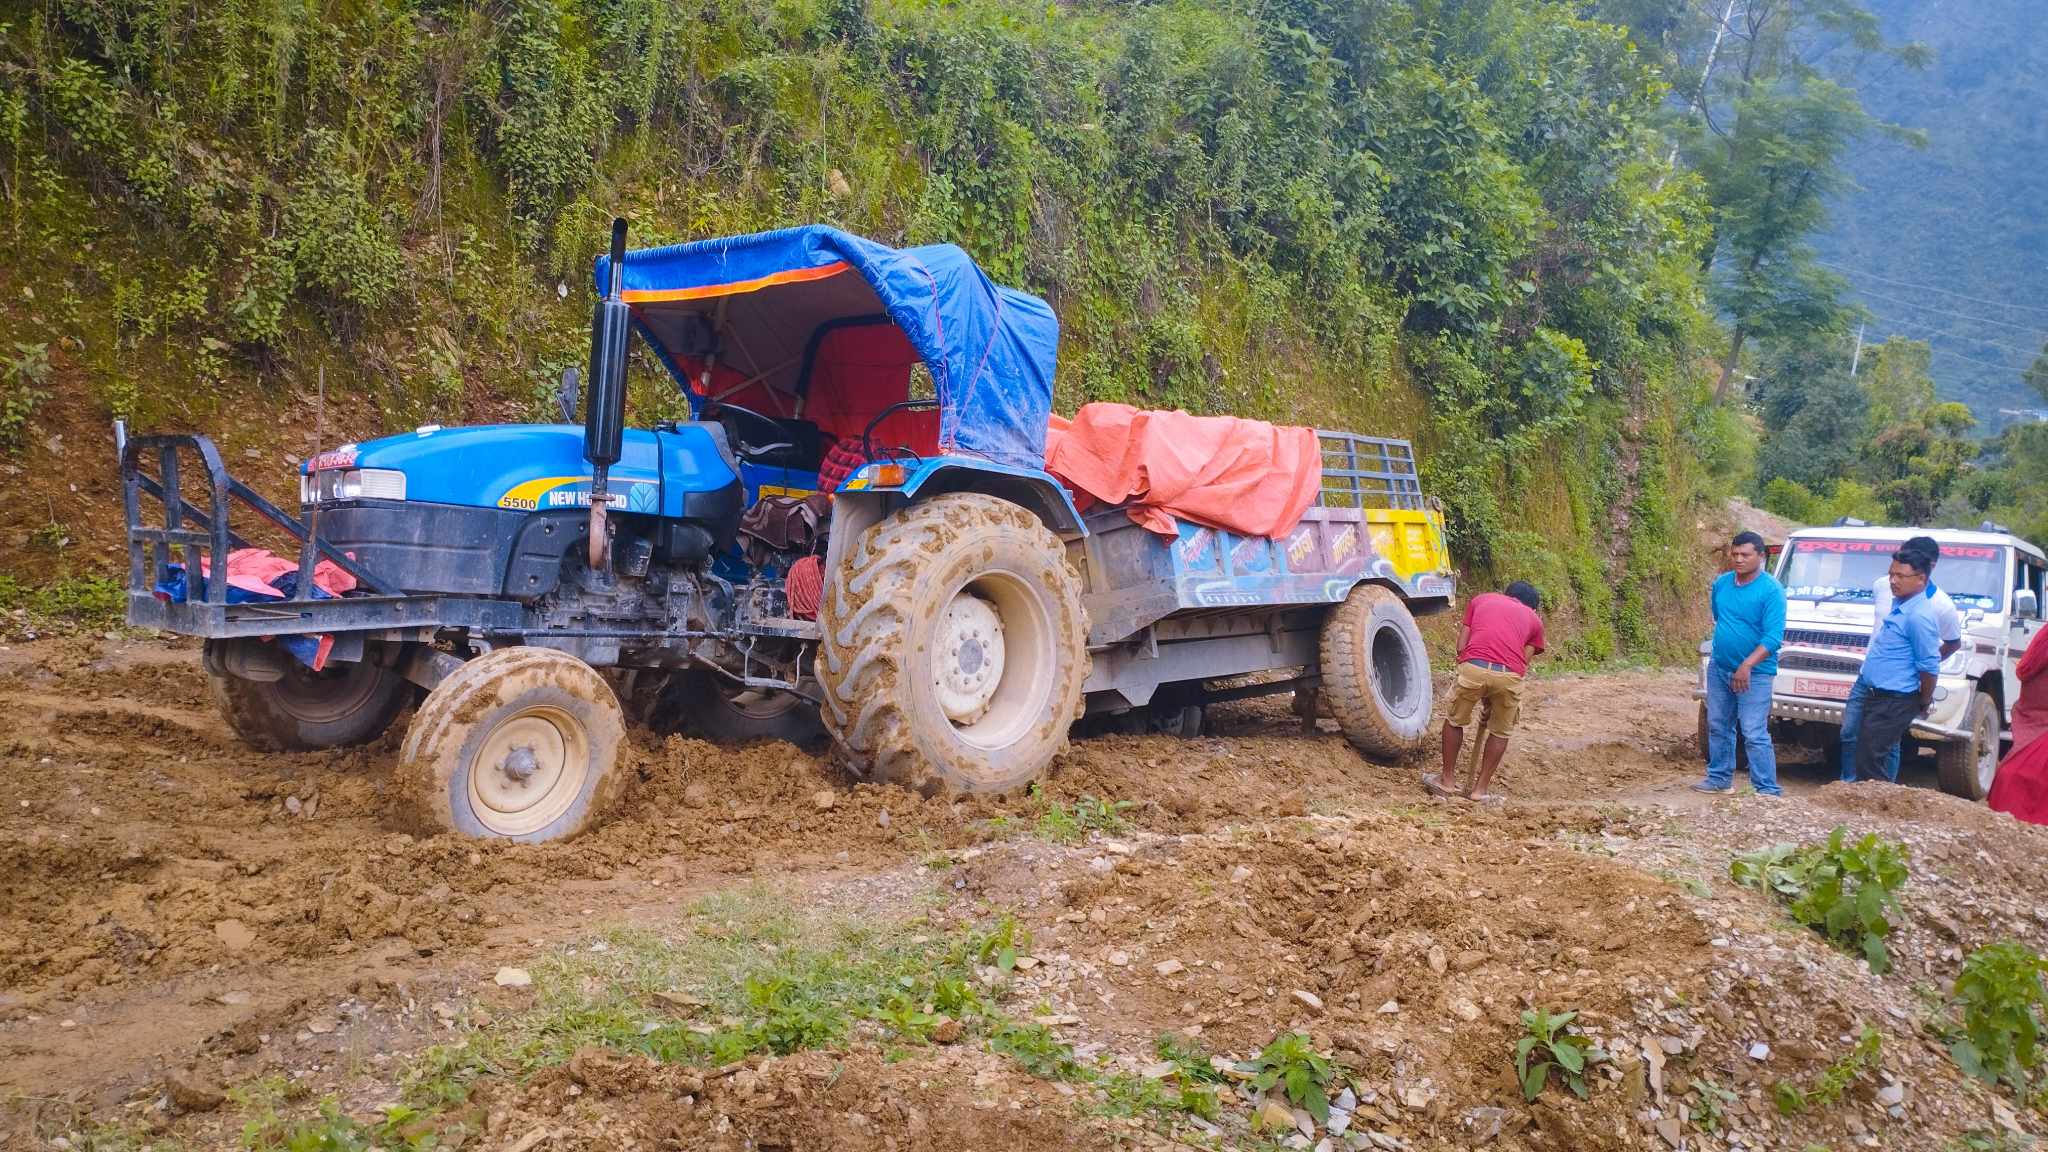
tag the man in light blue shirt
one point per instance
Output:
(1749, 628)
(1945, 615)
(1901, 664)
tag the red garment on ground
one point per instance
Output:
(1244, 475)
(2021, 786)
(1498, 629)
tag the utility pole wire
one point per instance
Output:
(1928, 287)
(1919, 307)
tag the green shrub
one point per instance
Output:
(2001, 996)
(1846, 891)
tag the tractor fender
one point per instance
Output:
(860, 504)
(1037, 492)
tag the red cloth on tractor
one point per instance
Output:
(2021, 786)
(1245, 475)
(856, 371)
(805, 587)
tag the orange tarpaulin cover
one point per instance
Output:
(1244, 475)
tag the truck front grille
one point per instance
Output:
(1810, 662)
(1816, 638)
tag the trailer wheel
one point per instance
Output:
(1966, 767)
(727, 713)
(955, 646)
(347, 703)
(1376, 674)
(519, 744)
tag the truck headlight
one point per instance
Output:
(352, 484)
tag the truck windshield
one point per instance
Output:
(1847, 571)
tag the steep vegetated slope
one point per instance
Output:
(284, 223)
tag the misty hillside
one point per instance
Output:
(1949, 244)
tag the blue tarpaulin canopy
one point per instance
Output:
(770, 296)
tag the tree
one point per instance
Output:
(1776, 112)
(2037, 375)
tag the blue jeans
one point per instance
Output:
(1852, 720)
(1728, 710)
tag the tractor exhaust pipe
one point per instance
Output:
(604, 413)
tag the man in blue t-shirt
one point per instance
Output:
(1901, 664)
(1749, 628)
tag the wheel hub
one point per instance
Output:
(528, 771)
(970, 653)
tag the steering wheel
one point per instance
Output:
(755, 450)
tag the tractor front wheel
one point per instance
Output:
(955, 646)
(519, 744)
(347, 703)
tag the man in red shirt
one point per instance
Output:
(1501, 633)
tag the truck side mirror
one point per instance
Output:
(565, 396)
(2026, 605)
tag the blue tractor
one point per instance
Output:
(854, 530)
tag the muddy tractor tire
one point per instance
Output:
(723, 712)
(519, 744)
(347, 703)
(1966, 767)
(955, 646)
(1375, 674)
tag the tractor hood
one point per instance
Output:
(531, 467)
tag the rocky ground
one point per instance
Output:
(204, 947)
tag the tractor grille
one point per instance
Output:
(1808, 662)
(1816, 638)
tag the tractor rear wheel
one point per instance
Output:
(1376, 674)
(955, 646)
(1966, 767)
(349, 702)
(519, 744)
(711, 706)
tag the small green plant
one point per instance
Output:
(1062, 825)
(1033, 1046)
(1548, 1042)
(1191, 1061)
(1792, 1099)
(25, 373)
(1710, 1105)
(2001, 997)
(999, 945)
(1292, 1064)
(50, 536)
(401, 1129)
(1845, 890)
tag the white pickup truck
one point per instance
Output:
(1830, 577)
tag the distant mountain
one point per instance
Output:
(1949, 244)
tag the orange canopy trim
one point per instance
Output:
(737, 287)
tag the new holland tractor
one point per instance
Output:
(854, 529)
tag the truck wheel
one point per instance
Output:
(347, 703)
(519, 744)
(1966, 767)
(728, 713)
(1376, 674)
(955, 646)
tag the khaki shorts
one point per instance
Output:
(1501, 692)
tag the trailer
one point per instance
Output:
(854, 533)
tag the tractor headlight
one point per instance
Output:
(337, 485)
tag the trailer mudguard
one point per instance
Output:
(1032, 488)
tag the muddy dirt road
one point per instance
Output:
(204, 947)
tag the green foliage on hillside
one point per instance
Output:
(1453, 221)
